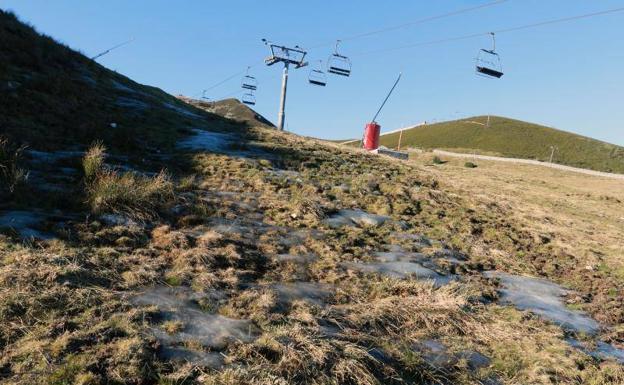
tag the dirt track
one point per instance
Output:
(533, 162)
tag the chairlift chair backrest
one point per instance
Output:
(338, 64)
(317, 76)
(249, 82)
(249, 99)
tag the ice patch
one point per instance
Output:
(435, 354)
(311, 292)
(402, 265)
(207, 141)
(398, 256)
(137, 104)
(543, 298)
(301, 259)
(24, 223)
(181, 110)
(178, 305)
(211, 360)
(117, 220)
(224, 143)
(122, 87)
(52, 157)
(355, 217)
(603, 350)
(401, 270)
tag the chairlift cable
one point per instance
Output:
(112, 48)
(416, 22)
(504, 30)
(424, 20)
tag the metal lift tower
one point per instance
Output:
(288, 56)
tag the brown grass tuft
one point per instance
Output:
(11, 175)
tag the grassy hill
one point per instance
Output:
(188, 248)
(231, 109)
(513, 138)
(52, 96)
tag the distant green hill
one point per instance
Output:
(513, 138)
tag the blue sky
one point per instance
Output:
(566, 75)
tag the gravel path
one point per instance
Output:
(533, 162)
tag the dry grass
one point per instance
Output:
(127, 193)
(71, 321)
(576, 218)
(93, 161)
(130, 194)
(11, 175)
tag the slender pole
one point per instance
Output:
(282, 111)
(400, 136)
(552, 153)
(387, 97)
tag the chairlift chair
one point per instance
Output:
(339, 64)
(249, 82)
(249, 99)
(488, 63)
(317, 76)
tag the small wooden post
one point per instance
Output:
(400, 136)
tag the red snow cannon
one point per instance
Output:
(371, 136)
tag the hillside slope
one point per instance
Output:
(52, 96)
(239, 254)
(513, 138)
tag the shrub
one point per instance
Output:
(470, 165)
(436, 160)
(93, 161)
(129, 193)
(11, 175)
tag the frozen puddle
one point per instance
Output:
(401, 265)
(355, 218)
(25, 223)
(207, 141)
(219, 142)
(602, 351)
(312, 292)
(52, 157)
(438, 356)
(182, 111)
(543, 298)
(299, 259)
(208, 359)
(178, 307)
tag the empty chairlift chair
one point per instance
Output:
(249, 82)
(339, 64)
(249, 99)
(317, 76)
(488, 63)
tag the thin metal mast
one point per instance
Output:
(387, 97)
(282, 111)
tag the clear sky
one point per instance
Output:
(567, 75)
